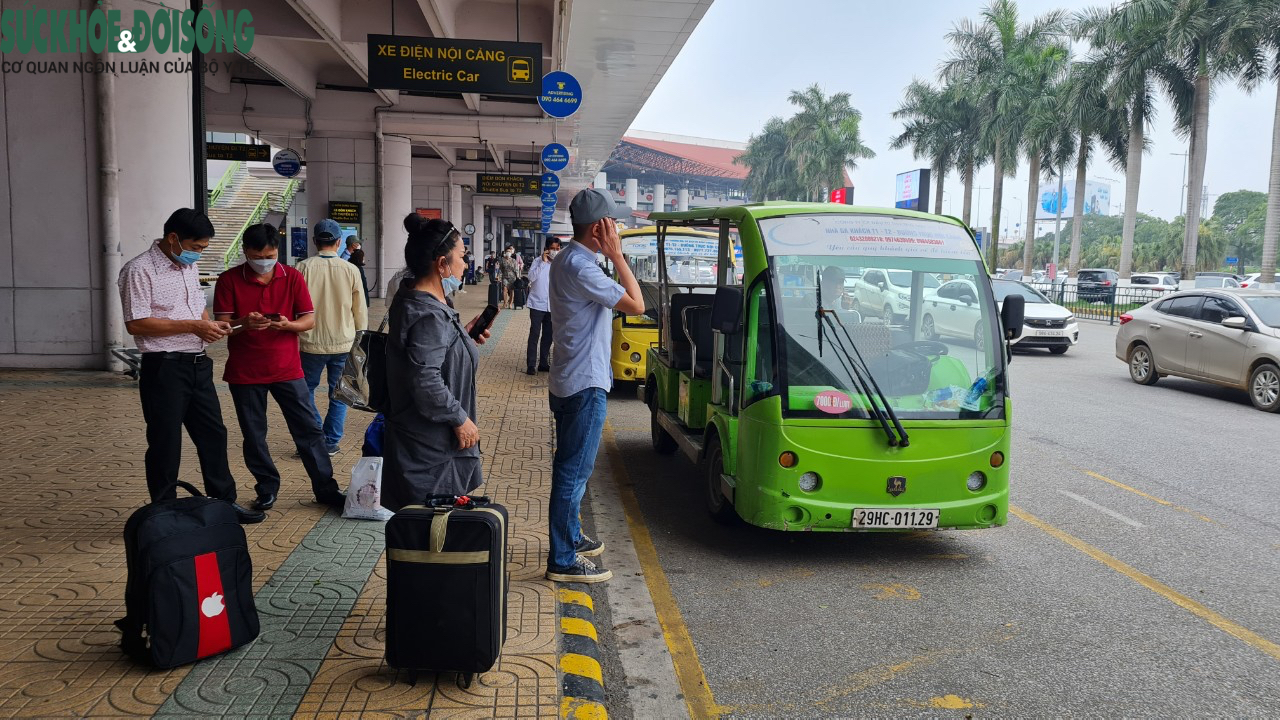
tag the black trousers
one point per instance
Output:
(177, 391)
(539, 324)
(295, 403)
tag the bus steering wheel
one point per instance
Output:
(924, 347)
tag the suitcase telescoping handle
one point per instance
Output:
(455, 501)
(190, 488)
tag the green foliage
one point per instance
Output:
(796, 158)
(1157, 243)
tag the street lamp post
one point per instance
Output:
(1182, 197)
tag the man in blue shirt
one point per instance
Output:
(582, 299)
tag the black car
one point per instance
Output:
(1097, 285)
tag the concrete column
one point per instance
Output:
(397, 201)
(682, 199)
(601, 182)
(52, 313)
(455, 207)
(632, 196)
(659, 197)
(477, 219)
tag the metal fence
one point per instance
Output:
(1098, 302)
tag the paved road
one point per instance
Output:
(1139, 575)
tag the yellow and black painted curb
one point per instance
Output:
(581, 677)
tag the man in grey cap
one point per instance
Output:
(582, 298)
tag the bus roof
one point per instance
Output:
(775, 208)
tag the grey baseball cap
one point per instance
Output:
(590, 205)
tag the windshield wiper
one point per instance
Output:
(862, 377)
(868, 379)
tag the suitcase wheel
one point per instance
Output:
(464, 680)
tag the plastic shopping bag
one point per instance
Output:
(364, 496)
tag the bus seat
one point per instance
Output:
(697, 327)
(947, 372)
(872, 340)
(680, 349)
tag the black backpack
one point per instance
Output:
(190, 589)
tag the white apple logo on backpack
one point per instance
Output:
(212, 605)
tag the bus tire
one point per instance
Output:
(663, 443)
(718, 506)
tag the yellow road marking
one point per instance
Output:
(578, 709)
(1219, 621)
(950, 702)
(693, 682)
(575, 597)
(576, 664)
(895, 591)
(1139, 493)
(578, 626)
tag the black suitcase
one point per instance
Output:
(495, 294)
(519, 294)
(447, 586)
(189, 593)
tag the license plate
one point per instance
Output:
(1049, 333)
(895, 518)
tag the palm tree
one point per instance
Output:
(1044, 137)
(1095, 118)
(1251, 42)
(1135, 46)
(771, 171)
(932, 130)
(825, 139)
(1195, 29)
(1000, 59)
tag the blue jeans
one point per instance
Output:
(312, 367)
(579, 424)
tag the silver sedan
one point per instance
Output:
(1225, 337)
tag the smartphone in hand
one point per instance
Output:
(483, 322)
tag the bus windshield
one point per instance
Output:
(907, 322)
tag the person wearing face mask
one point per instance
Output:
(539, 346)
(509, 272)
(430, 441)
(268, 305)
(164, 311)
(341, 310)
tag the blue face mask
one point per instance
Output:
(451, 285)
(187, 257)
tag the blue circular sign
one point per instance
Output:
(287, 163)
(548, 212)
(550, 182)
(548, 199)
(555, 157)
(561, 94)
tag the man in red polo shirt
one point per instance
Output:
(267, 304)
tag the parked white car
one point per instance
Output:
(1145, 287)
(887, 293)
(952, 311)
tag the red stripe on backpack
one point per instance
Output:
(215, 629)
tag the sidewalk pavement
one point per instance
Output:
(71, 472)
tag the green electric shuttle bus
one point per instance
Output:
(823, 385)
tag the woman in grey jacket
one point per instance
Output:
(431, 443)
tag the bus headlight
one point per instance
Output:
(625, 347)
(810, 482)
(977, 480)
(635, 357)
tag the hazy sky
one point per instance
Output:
(747, 55)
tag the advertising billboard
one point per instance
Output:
(911, 191)
(1097, 199)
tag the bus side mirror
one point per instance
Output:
(1011, 316)
(726, 310)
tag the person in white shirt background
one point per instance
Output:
(539, 303)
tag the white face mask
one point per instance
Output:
(554, 253)
(262, 267)
(509, 253)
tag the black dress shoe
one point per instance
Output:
(335, 500)
(528, 371)
(247, 516)
(264, 502)
(544, 368)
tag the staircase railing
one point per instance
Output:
(227, 174)
(264, 204)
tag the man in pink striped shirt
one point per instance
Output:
(164, 310)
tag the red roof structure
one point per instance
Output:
(701, 159)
